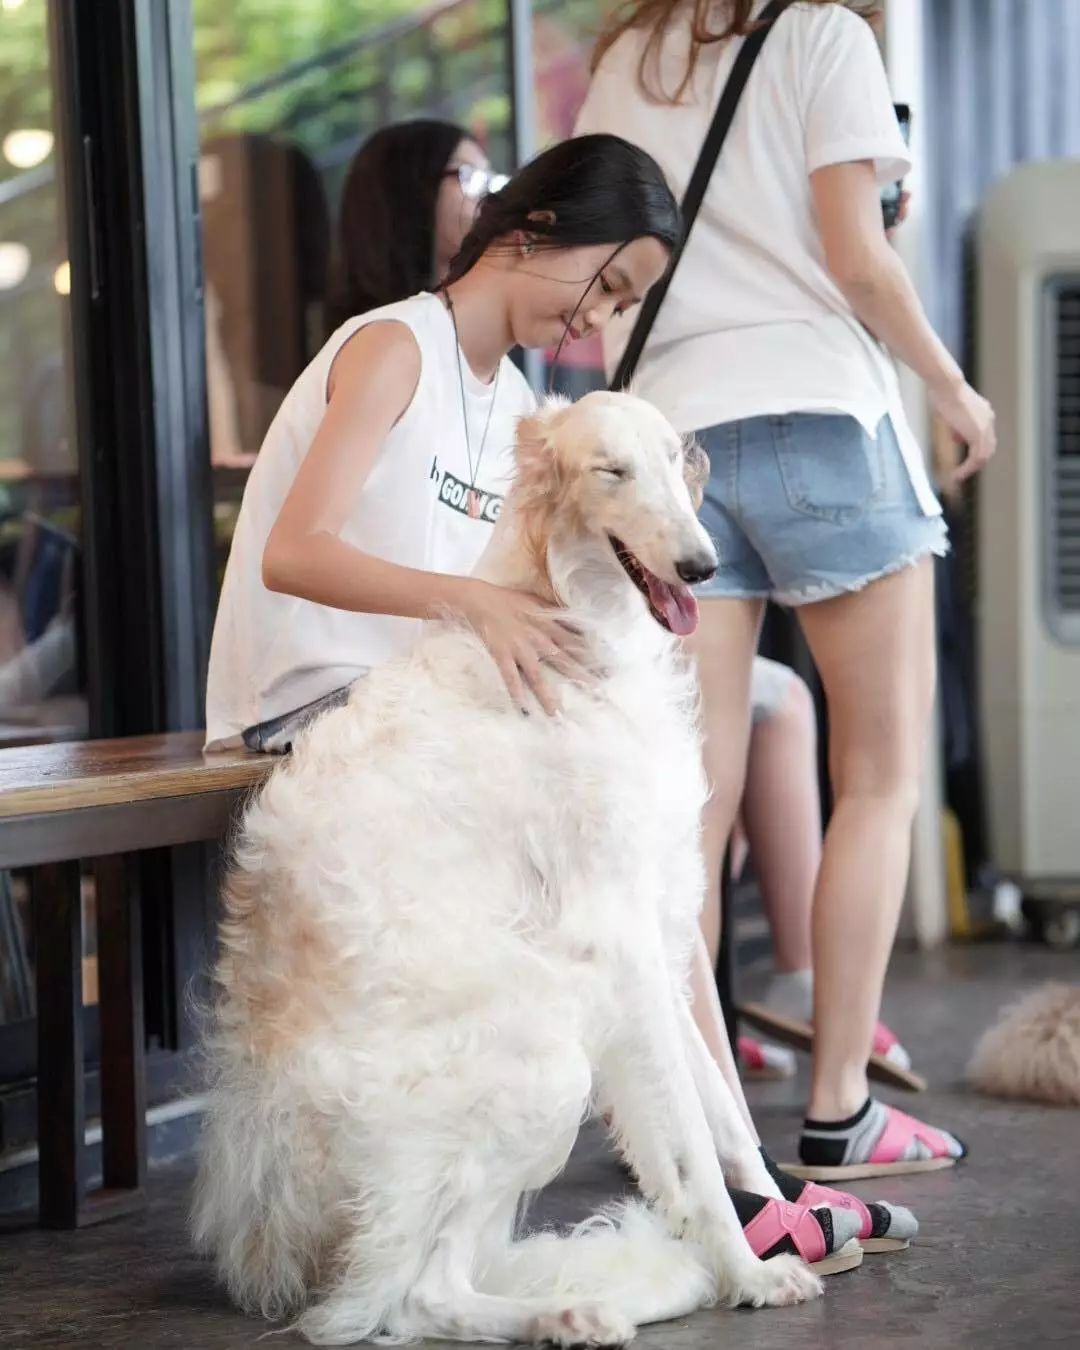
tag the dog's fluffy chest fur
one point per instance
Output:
(438, 841)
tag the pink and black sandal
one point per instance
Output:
(822, 1237)
(889, 1062)
(878, 1141)
(882, 1227)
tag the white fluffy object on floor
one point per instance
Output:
(1033, 1050)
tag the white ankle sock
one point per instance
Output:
(792, 994)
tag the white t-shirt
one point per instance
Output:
(272, 653)
(753, 322)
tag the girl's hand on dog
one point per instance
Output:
(523, 634)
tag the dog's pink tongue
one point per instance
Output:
(675, 603)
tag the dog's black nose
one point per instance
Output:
(696, 569)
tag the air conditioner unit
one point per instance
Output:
(1028, 549)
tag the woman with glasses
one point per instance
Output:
(410, 198)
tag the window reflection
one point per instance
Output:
(281, 119)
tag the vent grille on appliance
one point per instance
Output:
(1065, 447)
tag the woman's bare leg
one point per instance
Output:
(781, 811)
(724, 648)
(709, 1017)
(875, 652)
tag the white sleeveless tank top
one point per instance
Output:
(272, 653)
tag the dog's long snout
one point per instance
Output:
(696, 568)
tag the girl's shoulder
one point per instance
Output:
(420, 313)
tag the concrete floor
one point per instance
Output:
(995, 1268)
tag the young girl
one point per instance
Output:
(772, 347)
(381, 478)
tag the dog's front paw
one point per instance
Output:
(588, 1324)
(776, 1283)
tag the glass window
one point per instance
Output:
(287, 91)
(563, 35)
(42, 686)
(564, 32)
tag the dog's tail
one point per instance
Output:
(624, 1257)
(256, 1210)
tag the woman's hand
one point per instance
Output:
(970, 418)
(523, 634)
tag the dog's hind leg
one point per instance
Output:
(434, 1208)
(442, 1301)
(626, 1258)
(447, 1304)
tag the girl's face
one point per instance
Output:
(580, 288)
(464, 180)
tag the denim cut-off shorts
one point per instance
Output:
(807, 506)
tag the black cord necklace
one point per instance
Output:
(472, 497)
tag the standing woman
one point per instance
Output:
(774, 345)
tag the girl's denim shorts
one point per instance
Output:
(807, 506)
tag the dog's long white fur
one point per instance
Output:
(451, 929)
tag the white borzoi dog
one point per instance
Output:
(452, 930)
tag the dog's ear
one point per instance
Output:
(534, 448)
(695, 469)
(539, 484)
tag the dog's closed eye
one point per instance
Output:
(616, 472)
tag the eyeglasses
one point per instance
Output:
(476, 182)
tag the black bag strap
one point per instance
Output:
(695, 191)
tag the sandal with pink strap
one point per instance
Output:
(877, 1141)
(889, 1062)
(882, 1227)
(822, 1237)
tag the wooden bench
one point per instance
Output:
(102, 800)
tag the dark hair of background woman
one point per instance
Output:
(386, 232)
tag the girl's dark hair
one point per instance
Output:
(386, 234)
(588, 190)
